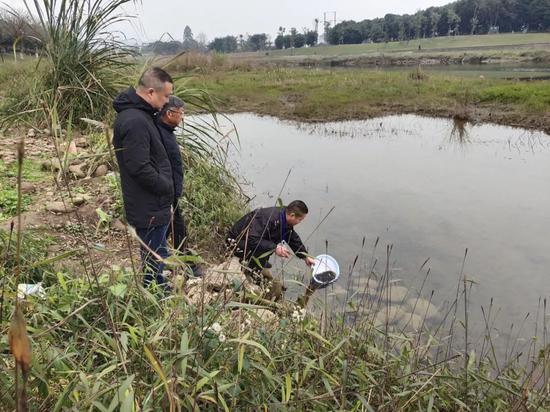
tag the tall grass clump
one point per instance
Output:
(212, 201)
(82, 61)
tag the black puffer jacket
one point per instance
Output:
(145, 172)
(174, 155)
(262, 229)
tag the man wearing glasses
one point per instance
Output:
(168, 119)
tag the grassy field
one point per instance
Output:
(323, 95)
(431, 44)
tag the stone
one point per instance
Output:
(218, 279)
(117, 224)
(411, 322)
(51, 165)
(265, 316)
(79, 200)
(59, 207)
(31, 133)
(200, 298)
(394, 315)
(101, 170)
(422, 307)
(77, 171)
(81, 142)
(47, 132)
(71, 148)
(251, 287)
(397, 294)
(27, 187)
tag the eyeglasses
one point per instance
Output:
(177, 111)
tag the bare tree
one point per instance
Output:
(16, 26)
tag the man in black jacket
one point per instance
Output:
(168, 119)
(145, 170)
(260, 233)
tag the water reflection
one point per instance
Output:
(392, 178)
(459, 133)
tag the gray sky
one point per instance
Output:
(221, 17)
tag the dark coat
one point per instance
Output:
(262, 229)
(145, 171)
(174, 155)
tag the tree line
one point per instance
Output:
(262, 41)
(18, 33)
(461, 17)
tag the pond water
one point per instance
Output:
(525, 71)
(422, 185)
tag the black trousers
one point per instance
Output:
(255, 258)
(178, 230)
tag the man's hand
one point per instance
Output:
(309, 261)
(282, 251)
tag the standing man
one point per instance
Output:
(145, 171)
(260, 233)
(168, 119)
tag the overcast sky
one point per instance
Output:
(221, 17)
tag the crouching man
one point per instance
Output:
(262, 232)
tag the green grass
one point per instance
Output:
(322, 95)
(211, 202)
(447, 43)
(104, 343)
(8, 189)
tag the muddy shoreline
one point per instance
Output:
(472, 114)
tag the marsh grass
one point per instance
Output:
(322, 95)
(101, 341)
(82, 64)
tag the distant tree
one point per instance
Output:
(280, 41)
(202, 41)
(434, 20)
(241, 42)
(189, 43)
(417, 24)
(474, 21)
(257, 42)
(227, 44)
(15, 27)
(391, 27)
(293, 33)
(406, 27)
(457, 17)
(311, 37)
(453, 22)
(287, 41)
(299, 40)
(163, 47)
(539, 15)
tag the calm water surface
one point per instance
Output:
(419, 185)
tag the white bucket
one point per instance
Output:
(326, 263)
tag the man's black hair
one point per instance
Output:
(155, 77)
(297, 207)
